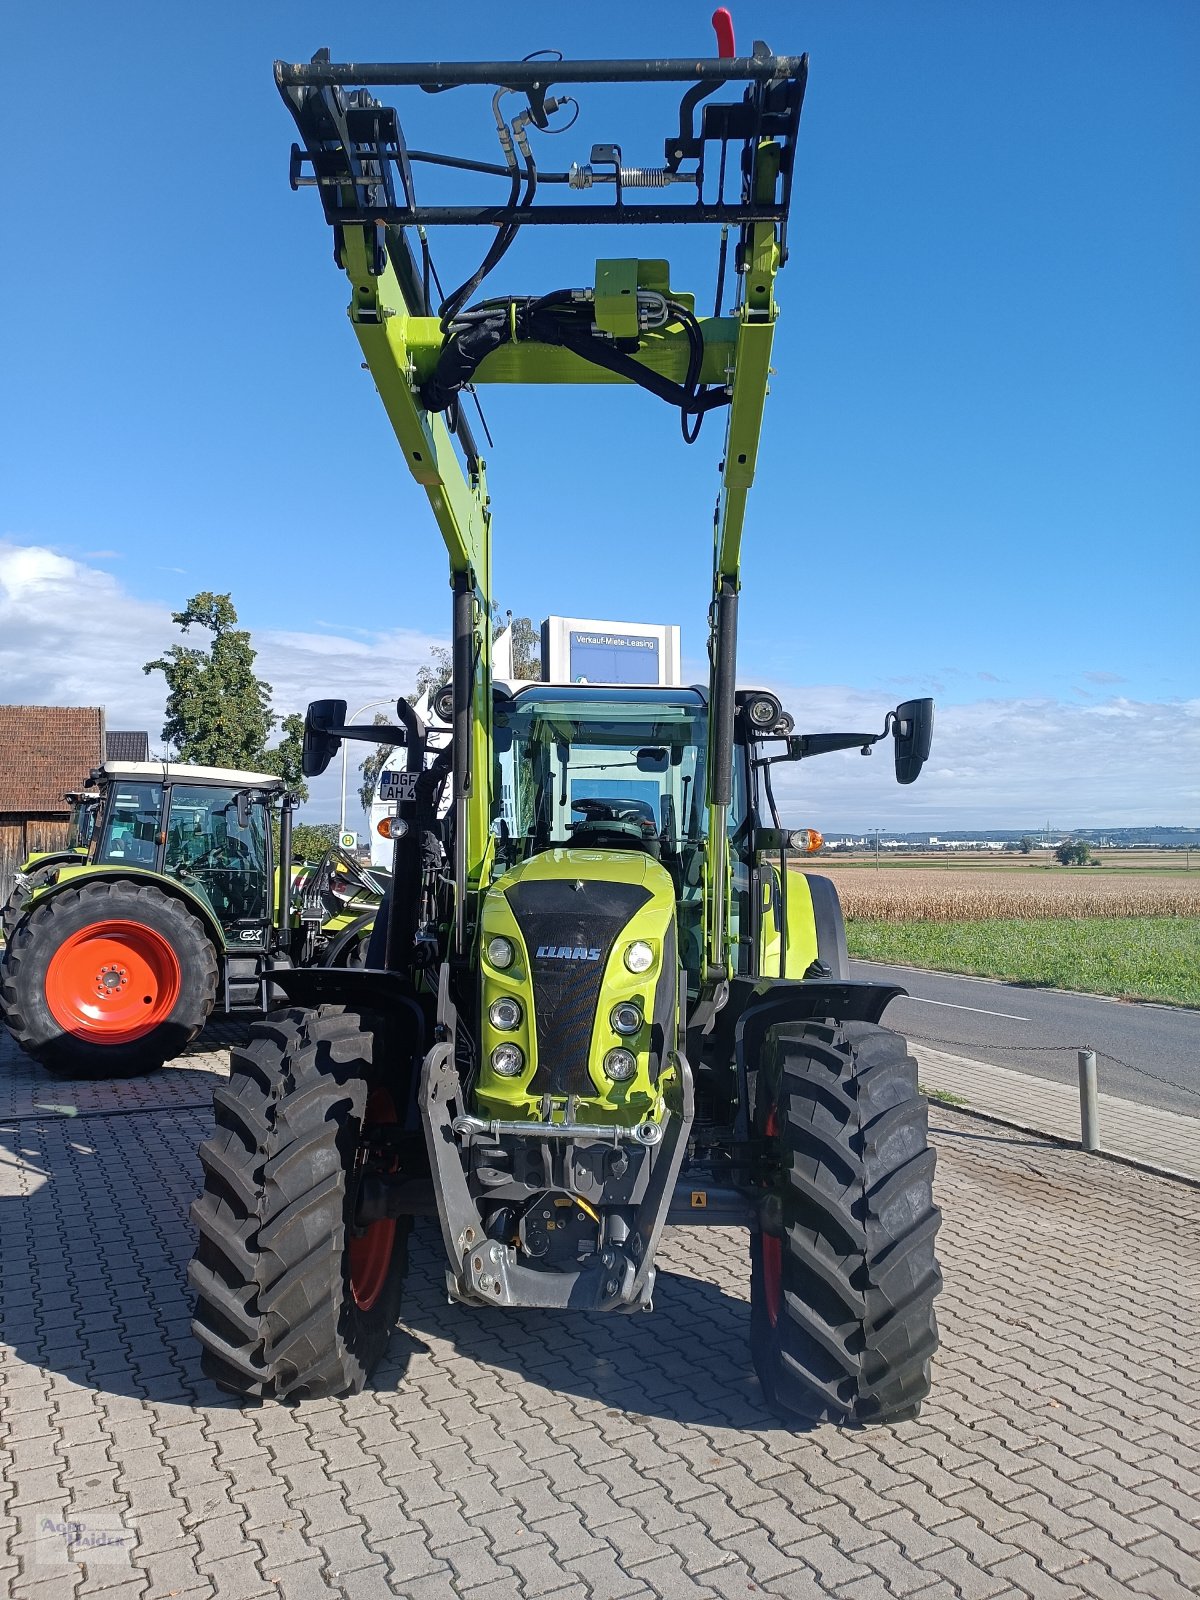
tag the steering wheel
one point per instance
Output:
(614, 816)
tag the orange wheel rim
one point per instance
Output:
(371, 1250)
(113, 982)
(772, 1252)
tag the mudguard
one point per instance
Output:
(71, 876)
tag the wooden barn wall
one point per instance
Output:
(20, 835)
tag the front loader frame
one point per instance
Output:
(354, 152)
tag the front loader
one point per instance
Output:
(600, 997)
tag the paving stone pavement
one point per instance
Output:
(500, 1457)
(1165, 1141)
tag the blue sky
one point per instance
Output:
(979, 474)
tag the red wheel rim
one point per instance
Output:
(772, 1252)
(113, 982)
(371, 1250)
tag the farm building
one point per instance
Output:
(44, 752)
(121, 745)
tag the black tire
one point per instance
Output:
(14, 906)
(853, 1330)
(42, 933)
(275, 1310)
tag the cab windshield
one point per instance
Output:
(601, 769)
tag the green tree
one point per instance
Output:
(431, 675)
(1073, 853)
(218, 709)
(526, 649)
(371, 767)
(284, 758)
(435, 672)
(310, 840)
(1026, 845)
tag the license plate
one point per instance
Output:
(397, 786)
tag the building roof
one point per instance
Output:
(44, 751)
(121, 745)
(183, 772)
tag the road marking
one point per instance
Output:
(950, 1006)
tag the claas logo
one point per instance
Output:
(566, 952)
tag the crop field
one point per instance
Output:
(938, 894)
(1134, 934)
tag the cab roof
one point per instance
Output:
(183, 772)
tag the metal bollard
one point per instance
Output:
(1089, 1112)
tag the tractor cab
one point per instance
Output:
(85, 806)
(207, 827)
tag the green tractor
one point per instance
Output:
(600, 997)
(41, 866)
(119, 950)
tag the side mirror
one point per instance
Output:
(320, 746)
(913, 733)
(241, 803)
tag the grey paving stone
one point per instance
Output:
(622, 1459)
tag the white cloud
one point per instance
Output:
(1001, 763)
(70, 633)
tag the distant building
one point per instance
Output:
(122, 746)
(44, 752)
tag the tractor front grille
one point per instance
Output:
(569, 933)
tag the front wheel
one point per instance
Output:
(843, 1272)
(292, 1297)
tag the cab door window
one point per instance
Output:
(209, 850)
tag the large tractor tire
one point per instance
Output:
(22, 894)
(108, 979)
(843, 1272)
(291, 1298)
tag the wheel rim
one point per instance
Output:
(772, 1252)
(113, 982)
(371, 1250)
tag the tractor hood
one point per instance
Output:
(569, 917)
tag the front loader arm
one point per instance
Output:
(757, 313)
(380, 317)
(632, 327)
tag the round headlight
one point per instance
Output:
(508, 1060)
(443, 703)
(764, 711)
(620, 1065)
(638, 956)
(500, 951)
(626, 1018)
(505, 1013)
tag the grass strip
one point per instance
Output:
(1138, 958)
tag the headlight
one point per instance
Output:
(508, 1060)
(638, 956)
(620, 1065)
(626, 1018)
(500, 952)
(505, 1013)
(764, 711)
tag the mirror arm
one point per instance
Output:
(376, 733)
(800, 745)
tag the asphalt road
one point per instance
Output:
(1155, 1050)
